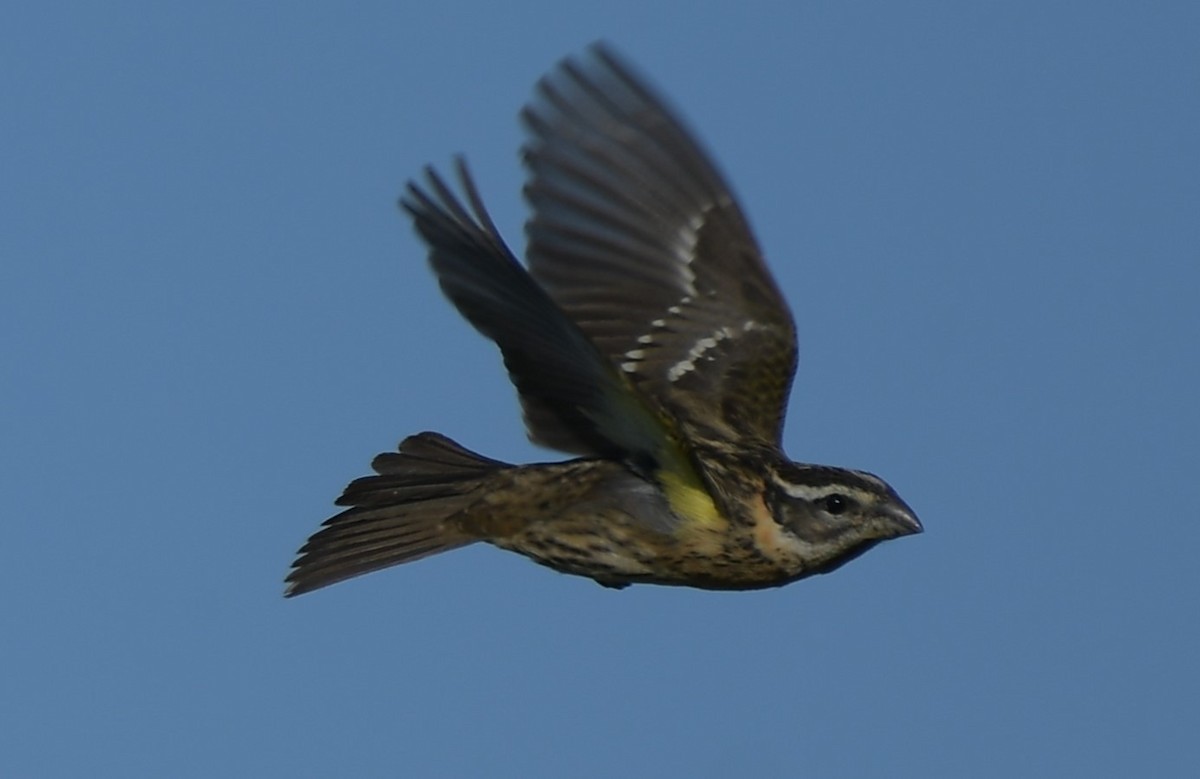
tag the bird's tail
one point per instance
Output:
(396, 516)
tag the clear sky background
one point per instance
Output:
(986, 217)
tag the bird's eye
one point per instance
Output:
(836, 503)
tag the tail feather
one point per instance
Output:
(397, 515)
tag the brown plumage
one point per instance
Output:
(648, 336)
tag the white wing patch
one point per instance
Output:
(634, 356)
(697, 353)
(705, 344)
(685, 253)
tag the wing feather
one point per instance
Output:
(637, 237)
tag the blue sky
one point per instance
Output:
(986, 217)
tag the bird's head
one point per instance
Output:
(829, 516)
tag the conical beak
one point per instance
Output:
(905, 519)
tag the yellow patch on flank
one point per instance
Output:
(689, 499)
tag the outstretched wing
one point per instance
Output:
(574, 398)
(637, 237)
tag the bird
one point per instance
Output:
(647, 339)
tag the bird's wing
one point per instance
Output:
(637, 237)
(574, 398)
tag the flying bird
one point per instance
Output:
(646, 336)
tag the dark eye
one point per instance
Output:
(836, 503)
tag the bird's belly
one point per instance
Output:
(600, 550)
(615, 556)
(603, 523)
